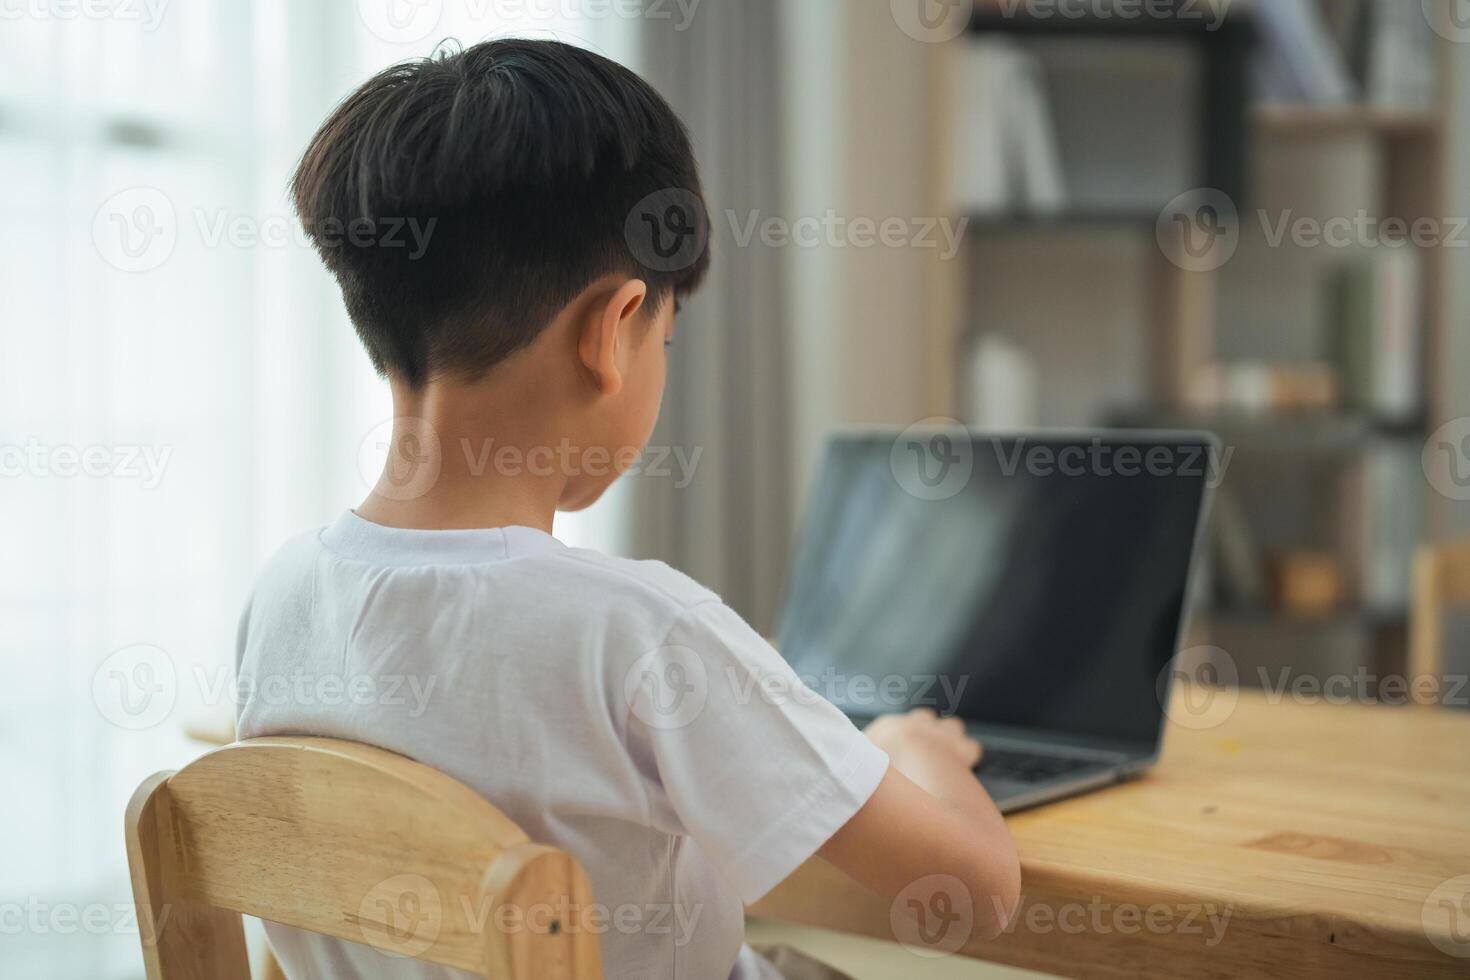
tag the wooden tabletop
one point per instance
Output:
(1273, 840)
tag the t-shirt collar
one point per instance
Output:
(359, 539)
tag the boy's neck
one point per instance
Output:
(467, 457)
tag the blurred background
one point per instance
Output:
(1242, 217)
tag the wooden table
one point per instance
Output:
(1323, 831)
(1288, 841)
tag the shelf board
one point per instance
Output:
(1306, 121)
(1062, 221)
(1187, 18)
(1272, 618)
(1318, 432)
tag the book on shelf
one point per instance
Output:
(1349, 25)
(1005, 151)
(1328, 52)
(1298, 59)
(1400, 64)
(1383, 521)
(1376, 305)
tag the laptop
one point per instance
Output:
(1032, 585)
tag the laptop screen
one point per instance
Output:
(1032, 582)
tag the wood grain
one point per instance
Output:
(182, 940)
(1321, 830)
(350, 841)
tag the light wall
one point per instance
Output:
(857, 140)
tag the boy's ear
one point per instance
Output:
(609, 322)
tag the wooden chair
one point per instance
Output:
(354, 842)
(1441, 582)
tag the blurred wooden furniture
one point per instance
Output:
(1388, 161)
(1306, 582)
(1287, 841)
(1441, 582)
(349, 841)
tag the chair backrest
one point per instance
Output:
(349, 841)
(1441, 582)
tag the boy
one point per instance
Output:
(613, 708)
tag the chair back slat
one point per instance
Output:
(356, 842)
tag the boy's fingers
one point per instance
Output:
(877, 724)
(923, 713)
(974, 750)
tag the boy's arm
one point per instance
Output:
(931, 819)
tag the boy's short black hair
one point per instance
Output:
(462, 200)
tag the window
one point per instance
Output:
(179, 392)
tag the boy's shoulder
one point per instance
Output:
(652, 580)
(644, 582)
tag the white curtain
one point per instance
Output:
(726, 521)
(179, 392)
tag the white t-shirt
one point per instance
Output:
(612, 708)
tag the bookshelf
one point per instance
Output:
(1308, 122)
(1184, 318)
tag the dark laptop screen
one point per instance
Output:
(1028, 582)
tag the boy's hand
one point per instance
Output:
(917, 741)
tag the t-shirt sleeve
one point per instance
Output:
(741, 755)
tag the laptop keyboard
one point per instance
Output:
(1029, 767)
